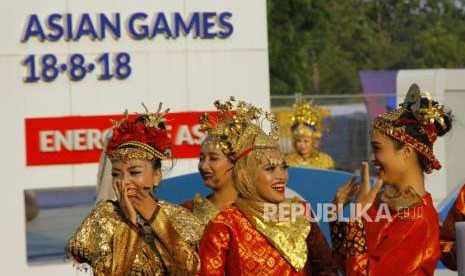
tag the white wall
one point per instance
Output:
(185, 74)
(447, 86)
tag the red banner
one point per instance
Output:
(79, 139)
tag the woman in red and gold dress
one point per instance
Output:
(215, 167)
(399, 234)
(251, 238)
(448, 246)
(137, 234)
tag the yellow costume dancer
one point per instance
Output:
(243, 239)
(137, 235)
(306, 134)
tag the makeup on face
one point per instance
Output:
(271, 176)
(135, 175)
(214, 166)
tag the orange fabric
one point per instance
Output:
(448, 246)
(407, 245)
(460, 202)
(232, 246)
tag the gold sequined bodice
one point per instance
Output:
(111, 247)
(203, 209)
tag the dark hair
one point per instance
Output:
(231, 157)
(417, 132)
(156, 163)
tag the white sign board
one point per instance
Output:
(92, 58)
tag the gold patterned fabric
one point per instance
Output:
(288, 237)
(233, 246)
(202, 208)
(107, 243)
(318, 160)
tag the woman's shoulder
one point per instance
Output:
(230, 216)
(324, 155)
(108, 210)
(231, 211)
(172, 209)
(190, 204)
(430, 214)
(94, 235)
(182, 220)
(419, 211)
(106, 206)
(105, 217)
(326, 159)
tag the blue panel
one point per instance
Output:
(317, 186)
(181, 188)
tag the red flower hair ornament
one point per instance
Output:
(143, 137)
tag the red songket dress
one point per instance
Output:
(407, 245)
(448, 246)
(231, 245)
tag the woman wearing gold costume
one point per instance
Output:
(306, 134)
(215, 166)
(137, 234)
(246, 239)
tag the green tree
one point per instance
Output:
(320, 46)
(296, 32)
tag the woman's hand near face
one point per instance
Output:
(346, 192)
(144, 203)
(365, 194)
(122, 194)
(362, 192)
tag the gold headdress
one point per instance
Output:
(307, 119)
(237, 125)
(140, 138)
(417, 109)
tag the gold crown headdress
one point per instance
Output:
(419, 109)
(140, 137)
(237, 124)
(306, 120)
